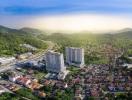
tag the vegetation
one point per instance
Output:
(9, 96)
(68, 94)
(10, 40)
(92, 43)
(27, 93)
(119, 96)
(39, 75)
(22, 94)
(73, 70)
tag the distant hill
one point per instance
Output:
(6, 30)
(124, 33)
(125, 30)
(10, 40)
(32, 31)
(24, 30)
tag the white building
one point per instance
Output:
(14, 76)
(6, 60)
(24, 55)
(29, 46)
(55, 62)
(62, 75)
(75, 56)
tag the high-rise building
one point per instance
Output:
(75, 56)
(55, 62)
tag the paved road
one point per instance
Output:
(33, 58)
(5, 89)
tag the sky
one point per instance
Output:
(67, 15)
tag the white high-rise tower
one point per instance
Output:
(55, 62)
(75, 56)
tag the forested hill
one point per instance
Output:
(32, 31)
(10, 40)
(92, 43)
(125, 34)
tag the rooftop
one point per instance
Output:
(74, 47)
(52, 52)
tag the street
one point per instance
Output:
(36, 57)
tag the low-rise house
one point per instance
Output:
(30, 71)
(23, 81)
(40, 94)
(14, 76)
(94, 93)
(24, 56)
(12, 87)
(47, 82)
(52, 82)
(34, 85)
(78, 95)
(60, 84)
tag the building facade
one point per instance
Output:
(55, 62)
(75, 56)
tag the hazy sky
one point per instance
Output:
(67, 15)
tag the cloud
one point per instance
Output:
(30, 7)
(83, 22)
(70, 22)
(67, 15)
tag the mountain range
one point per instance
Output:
(10, 39)
(24, 30)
